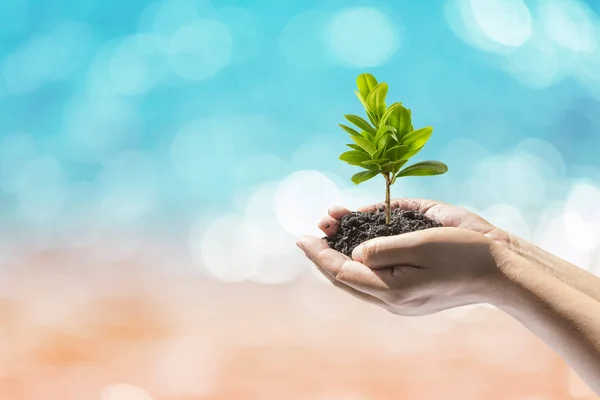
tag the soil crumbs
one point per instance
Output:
(358, 227)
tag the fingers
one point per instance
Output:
(329, 224)
(311, 247)
(337, 212)
(342, 269)
(420, 205)
(353, 292)
(391, 251)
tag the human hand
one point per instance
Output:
(470, 261)
(445, 214)
(451, 216)
(416, 273)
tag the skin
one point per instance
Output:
(470, 261)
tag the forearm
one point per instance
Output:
(566, 272)
(567, 319)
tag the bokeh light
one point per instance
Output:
(570, 24)
(16, 151)
(63, 50)
(166, 17)
(41, 189)
(362, 37)
(200, 49)
(137, 64)
(128, 186)
(82, 218)
(159, 160)
(507, 22)
(302, 199)
(302, 40)
(199, 148)
(100, 124)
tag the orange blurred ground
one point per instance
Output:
(72, 332)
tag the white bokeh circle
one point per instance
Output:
(302, 40)
(200, 49)
(137, 64)
(570, 24)
(362, 37)
(100, 123)
(252, 246)
(302, 199)
(507, 218)
(582, 217)
(216, 250)
(507, 22)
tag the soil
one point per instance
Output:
(358, 227)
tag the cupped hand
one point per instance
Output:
(455, 217)
(416, 273)
(445, 214)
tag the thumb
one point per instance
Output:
(390, 251)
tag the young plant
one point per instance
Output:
(386, 143)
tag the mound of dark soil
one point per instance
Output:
(358, 227)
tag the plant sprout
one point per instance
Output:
(385, 145)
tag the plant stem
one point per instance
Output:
(388, 211)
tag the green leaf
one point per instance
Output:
(363, 176)
(393, 167)
(364, 144)
(369, 114)
(357, 148)
(412, 151)
(390, 109)
(418, 138)
(376, 100)
(383, 141)
(382, 130)
(396, 153)
(351, 131)
(365, 83)
(361, 123)
(371, 167)
(366, 135)
(354, 157)
(380, 162)
(424, 168)
(398, 117)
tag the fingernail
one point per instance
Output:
(357, 253)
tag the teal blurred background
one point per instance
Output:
(159, 118)
(158, 160)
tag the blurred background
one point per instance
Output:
(158, 160)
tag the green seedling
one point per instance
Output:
(385, 143)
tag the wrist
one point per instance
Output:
(507, 282)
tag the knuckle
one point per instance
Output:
(341, 274)
(369, 252)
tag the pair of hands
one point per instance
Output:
(470, 261)
(421, 272)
